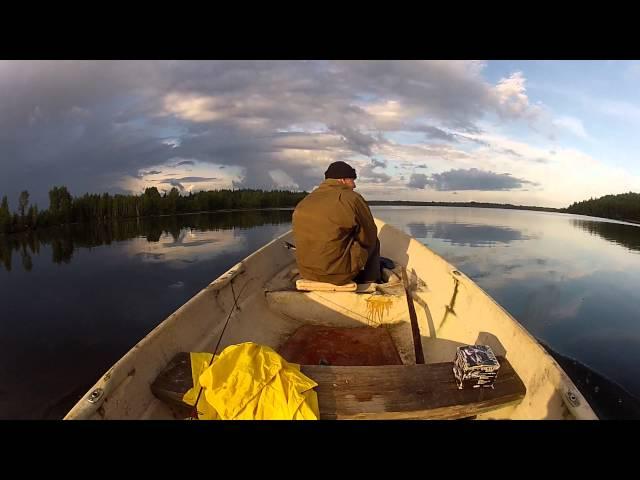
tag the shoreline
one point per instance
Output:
(372, 203)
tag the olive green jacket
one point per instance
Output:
(334, 232)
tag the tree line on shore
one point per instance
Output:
(65, 209)
(624, 206)
(62, 241)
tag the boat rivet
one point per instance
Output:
(95, 395)
(573, 399)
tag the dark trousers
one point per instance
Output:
(371, 271)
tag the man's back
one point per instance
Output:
(334, 232)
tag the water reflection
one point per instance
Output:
(609, 399)
(64, 241)
(150, 256)
(190, 247)
(87, 293)
(473, 235)
(618, 233)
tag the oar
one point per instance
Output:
(415, 329)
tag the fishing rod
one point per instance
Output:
(196, 413)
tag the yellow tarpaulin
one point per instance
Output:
(251, 382)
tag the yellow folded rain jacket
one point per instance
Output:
(251, 382)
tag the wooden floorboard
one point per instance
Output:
(340, 346)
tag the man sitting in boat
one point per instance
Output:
(335, 234)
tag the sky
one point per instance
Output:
(545, 133)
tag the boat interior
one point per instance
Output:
(358, 346)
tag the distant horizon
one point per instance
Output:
(464, 203)
(65, 208)
(510, 132)
(369, 200)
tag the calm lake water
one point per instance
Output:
(75, 299)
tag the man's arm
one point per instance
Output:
(368, 232)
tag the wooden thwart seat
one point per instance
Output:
(376, 392)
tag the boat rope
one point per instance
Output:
(195, 412)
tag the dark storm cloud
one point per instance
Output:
(357, 141)
(90, 124)
(418, 180)
(474, 179)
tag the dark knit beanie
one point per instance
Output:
(340, 170)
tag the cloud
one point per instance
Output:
(186, 162)
(150, 172)
(438, 134)
(509, 151)
(572, 124)
(172, 142)
(473, 139)
(193, 107)
(282, 180)
(179, 182)
(174, 183)
(511, 96)
(451, 92)
(474, 179)
(378, 163)
(88, 124)
(358, 141)
(369, 174)
(470, 179)
(418, 180)
(195, 179)
(374, 177)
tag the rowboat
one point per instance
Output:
(383, 351)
